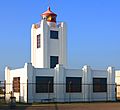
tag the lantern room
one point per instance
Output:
(49, 16)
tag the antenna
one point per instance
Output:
(48, 3)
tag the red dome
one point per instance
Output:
(49, 16)
(48, 12)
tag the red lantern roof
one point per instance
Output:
(49, 16)
(48, 12)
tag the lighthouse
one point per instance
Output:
(48, 41)
(47, 77)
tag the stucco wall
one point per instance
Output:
(9, 75)
(59, 73)
(40, 57)
(117, 81)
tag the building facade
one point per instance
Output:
(48, 42)
(47, 77)
(117, 81)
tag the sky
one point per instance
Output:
(93, 31)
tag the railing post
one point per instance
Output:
(70, 91)
(49, 90)
(115, 91)
(4, 89)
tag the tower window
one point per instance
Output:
(53, 61)
(73, 84)
(44, 84)
(54, 34)
(38, 41)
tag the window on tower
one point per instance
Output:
(38, 41)
(53, 61)
(54, 34)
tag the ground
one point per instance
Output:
(71, 106)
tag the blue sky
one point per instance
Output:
(93, 31)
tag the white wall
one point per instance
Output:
(41, 72)
(9, 75)
(60, 73)
(117, 81)
(40, 57)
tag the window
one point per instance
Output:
(38, 41)
(16, 84)
(44, 84)
(53, 61)
(54, 34)
(99, 84)
(73, 84)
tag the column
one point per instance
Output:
(87, 83)
(59, 83)
(111, 84)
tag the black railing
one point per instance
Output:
(55, 92)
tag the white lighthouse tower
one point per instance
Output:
(48, 42)
(41, 80)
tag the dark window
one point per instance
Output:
(99, 84)
(38, 41)
(53, 61)
(16, 84)
(54, 34)
(73, 84)
(44, 84)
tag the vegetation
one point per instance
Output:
(1, 91)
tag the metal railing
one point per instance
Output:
(56, 92)
(62, 92)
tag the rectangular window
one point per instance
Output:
(73, 84)
(44, 84)
(16, 84)
(54, 34)
(53, 61)
(99, 84)
(38, 41)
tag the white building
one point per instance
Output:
(47, 77)
(117, 81)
